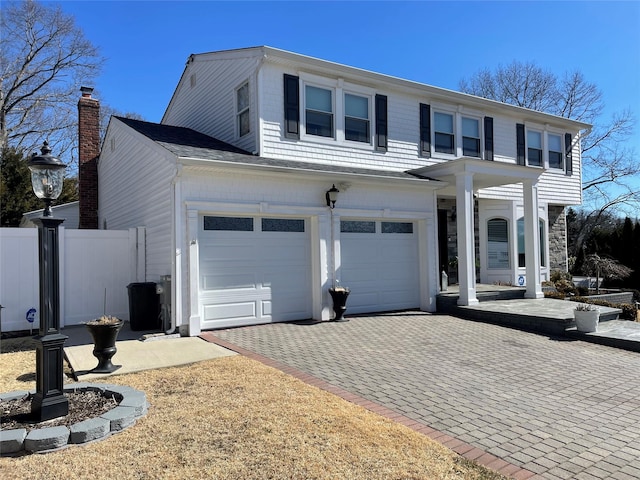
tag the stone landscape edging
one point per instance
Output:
(133, 405)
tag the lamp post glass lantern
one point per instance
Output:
(47, 175)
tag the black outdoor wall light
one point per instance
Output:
(47, 175)
(332, 196)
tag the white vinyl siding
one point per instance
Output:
(136, 191)
(215, 92)
(190, 108)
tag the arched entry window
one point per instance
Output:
(521, 254)
(498, 243)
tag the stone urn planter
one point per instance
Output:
(339, 296)
(587, 317)
(104, 332)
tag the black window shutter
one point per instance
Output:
(488, 138)
(521, 146)
(425, 130)
(291, 107)
(568, 153)
(381, 123)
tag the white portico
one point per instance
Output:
(468, 175)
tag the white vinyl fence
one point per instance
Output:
(95, 268)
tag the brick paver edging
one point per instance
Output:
(132, 406)
(461, 448)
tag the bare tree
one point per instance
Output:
(609, 168)
(44, 58)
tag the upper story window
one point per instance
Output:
(455, 133)
(556, 158)
(242, 110)
(356, 118)
(543, 147)
(333, 111)
(318, 111)
(444, 138)
(534, 148)
(470, 137)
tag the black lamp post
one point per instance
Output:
(47, 174)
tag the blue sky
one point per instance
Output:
(147, 43)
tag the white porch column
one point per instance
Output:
(532, 239)
(466, 239)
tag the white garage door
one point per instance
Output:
(379, 263)
(253, 270)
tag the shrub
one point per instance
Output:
(582, 291)
(554, 294)
(557, 275)
(566, 287)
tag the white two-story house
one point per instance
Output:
(231, 188)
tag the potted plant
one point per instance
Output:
(339, 295)
(586, 316)
(104, 332)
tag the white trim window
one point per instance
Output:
(534, 148)
(443, 133)
(243, 118)
(319, 111)
(554, 148)
(498, 244)
(521, 242)
(471, 146)
(357, 118)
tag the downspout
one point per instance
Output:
(176, 257)
(259, 147)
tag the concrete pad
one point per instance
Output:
(135, 355)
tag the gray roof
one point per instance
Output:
(188, 143)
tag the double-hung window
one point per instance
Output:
(242, 110)
(356, 118)
(534, 148)
(319, 111)
(444, 137)
(556, 158)
(470, 137)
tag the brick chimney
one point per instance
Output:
(88, 153)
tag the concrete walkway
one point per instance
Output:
(137, 351)
(561, 408)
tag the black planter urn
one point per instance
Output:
(339, 296)
(104, 335)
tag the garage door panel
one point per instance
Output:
(237, 310)
(289, 280)
(381, 269)
(231, 281)
(254, 276)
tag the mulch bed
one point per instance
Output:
(82, 406)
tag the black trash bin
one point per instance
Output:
(144, 306)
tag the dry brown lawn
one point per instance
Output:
(235, 418)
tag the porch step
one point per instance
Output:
(511, 309)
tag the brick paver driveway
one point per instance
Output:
(562, 409)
